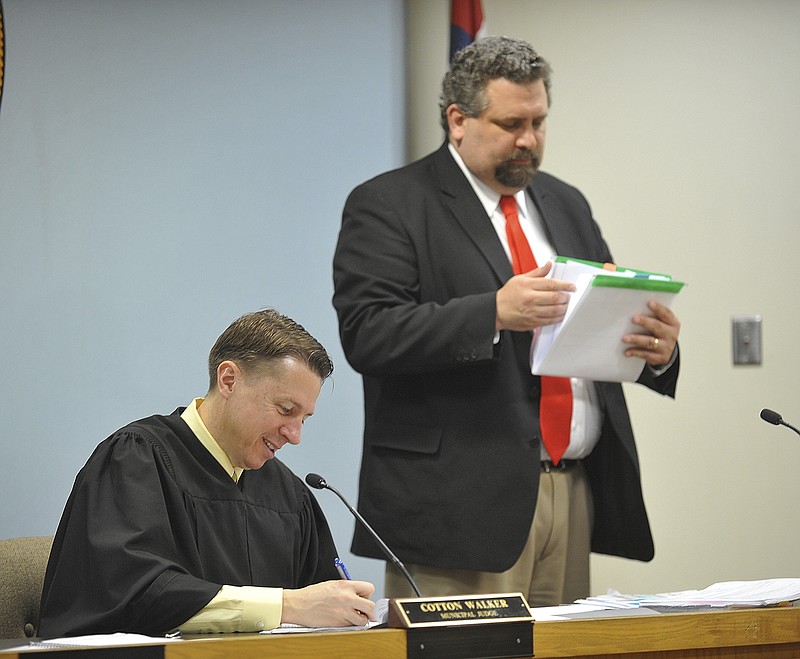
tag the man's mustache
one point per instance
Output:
(525, 155)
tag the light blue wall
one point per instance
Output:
(165, 167)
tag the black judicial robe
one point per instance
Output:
(154, 527)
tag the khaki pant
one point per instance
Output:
(554, 565)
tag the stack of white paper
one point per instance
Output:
(587, 343)
(767, 592)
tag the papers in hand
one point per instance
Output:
(587, 343)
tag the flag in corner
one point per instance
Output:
(466, 24)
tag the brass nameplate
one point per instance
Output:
(409, 613)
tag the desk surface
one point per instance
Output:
(743, 634)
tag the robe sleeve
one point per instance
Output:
(124, 556)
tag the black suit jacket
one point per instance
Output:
(450, 464)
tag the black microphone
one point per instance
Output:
(776, 420)
(319, 483)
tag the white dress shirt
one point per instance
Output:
(587, 416)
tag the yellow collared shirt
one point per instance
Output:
(234, 608)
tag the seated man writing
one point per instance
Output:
(188, 522)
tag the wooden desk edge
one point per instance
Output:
(385, 643)
(637, 635)
(668, 631)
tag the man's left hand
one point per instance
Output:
(658, 342)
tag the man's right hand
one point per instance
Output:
(338, 603)
(529, 300)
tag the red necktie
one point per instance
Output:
(555, 403)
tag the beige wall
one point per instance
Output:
(679, 121)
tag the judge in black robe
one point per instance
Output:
(154, 526)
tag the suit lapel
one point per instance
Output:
(556, 225)
(463, 204)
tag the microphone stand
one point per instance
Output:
(319, 483)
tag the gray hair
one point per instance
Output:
(484, 60)
(262, 338)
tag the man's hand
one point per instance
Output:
(528, 301)
(658, 343)
(329, 604)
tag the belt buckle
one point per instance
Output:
(549, 467)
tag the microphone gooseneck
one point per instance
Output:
(319, 483)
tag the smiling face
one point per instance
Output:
(252, 414)
(504, 145)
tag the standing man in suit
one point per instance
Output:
(455, 474)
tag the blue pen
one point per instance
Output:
(341, 569)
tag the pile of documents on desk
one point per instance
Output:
(767, 592)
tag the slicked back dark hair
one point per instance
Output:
(258, 339)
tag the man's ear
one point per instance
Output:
(228, 373)
(455, 122)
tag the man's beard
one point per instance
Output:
(517, 176)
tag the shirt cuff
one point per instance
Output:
(238, 609)
(660, 370)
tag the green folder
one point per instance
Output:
(587, 343)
